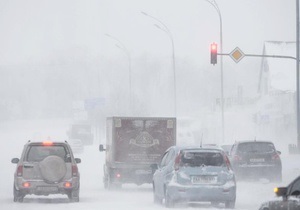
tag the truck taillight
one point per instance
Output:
(74, 170)
(20, 170)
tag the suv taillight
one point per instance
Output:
(74, 170)
(275, 157)
(237, 158)
(20, 170)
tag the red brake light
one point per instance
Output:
(67, 184)
(47, 143)
(74, 170)
(20, 170)
(26, 184)
(118, 175)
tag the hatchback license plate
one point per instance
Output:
(204, 179)
(257, 160)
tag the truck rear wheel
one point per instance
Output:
(114, 186)
(110, 185)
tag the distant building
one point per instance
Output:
(278, 74)
(276, 109)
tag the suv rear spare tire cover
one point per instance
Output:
(53, 168)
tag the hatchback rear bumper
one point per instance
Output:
(201, 193)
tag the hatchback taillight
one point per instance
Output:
(74, 170)
(20, 170)
(177, 162)
(227, 162)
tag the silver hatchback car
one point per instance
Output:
(194, 174)
(46, 168)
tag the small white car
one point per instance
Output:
(194, 174)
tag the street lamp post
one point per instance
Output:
(121, 46)
(168, 32)
(215, 5)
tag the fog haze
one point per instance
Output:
(65, 61)
(57, 53)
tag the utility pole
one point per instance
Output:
(297, 75)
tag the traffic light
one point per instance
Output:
(213, 53)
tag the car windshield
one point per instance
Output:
(194, 159)
(37, 153)
(256, 147)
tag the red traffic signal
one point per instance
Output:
(213, 53)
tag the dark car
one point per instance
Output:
(194, 174)
(256, 159)
(289, 200)
(46, 168)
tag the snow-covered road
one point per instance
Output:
(93, 195)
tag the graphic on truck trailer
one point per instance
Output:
(142, 139)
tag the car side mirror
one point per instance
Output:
(77, 160)
(279, 152)
(281, 191)
(15, 160)
(101, 148)
(154, 167)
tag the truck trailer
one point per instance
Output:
(134, 145)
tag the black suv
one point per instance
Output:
(290, 198)
(46, 168)
(256, 159)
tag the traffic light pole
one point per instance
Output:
(265, 56)
(297, 78)
(297, 67)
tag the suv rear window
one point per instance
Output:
(194, 159)
(256, 147)
(37, 153)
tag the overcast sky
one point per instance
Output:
(34, 30)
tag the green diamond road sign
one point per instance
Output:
(237, 54)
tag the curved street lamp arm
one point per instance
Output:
(121, 46)
(166, 29)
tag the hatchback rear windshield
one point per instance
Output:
(37, 153)
(256, 147)
(194, 159)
